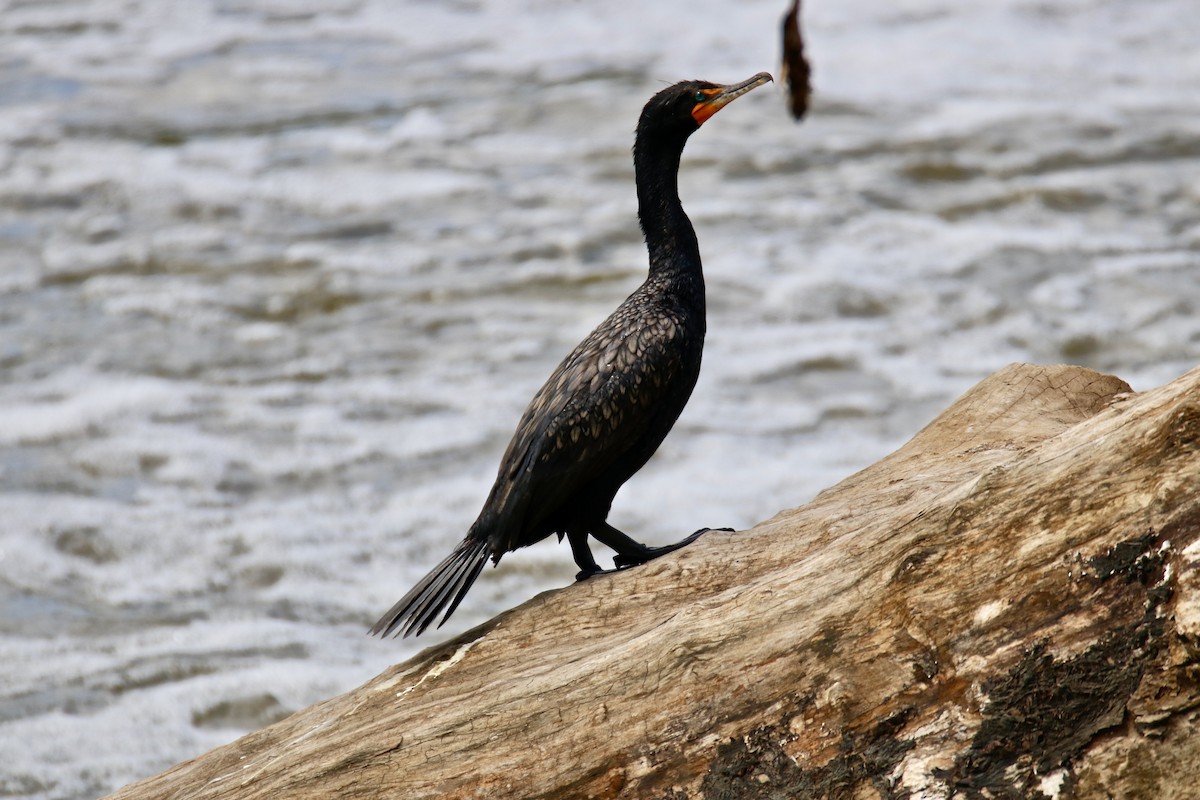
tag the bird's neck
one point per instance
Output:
(670, 238)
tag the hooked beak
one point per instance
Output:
(719, 97)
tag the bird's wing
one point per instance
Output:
(595, 408)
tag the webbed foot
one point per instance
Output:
(584, 574)
(630, 559)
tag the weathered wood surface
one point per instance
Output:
(1007, 605)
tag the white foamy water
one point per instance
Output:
(277, 279)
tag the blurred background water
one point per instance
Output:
(277, 278)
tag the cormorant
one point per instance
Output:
(612, 401)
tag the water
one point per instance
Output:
(277, 278)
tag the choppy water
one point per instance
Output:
(277, 278)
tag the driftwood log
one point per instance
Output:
(1007, 606)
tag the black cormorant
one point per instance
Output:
(612, 401)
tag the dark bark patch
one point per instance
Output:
(1045, 712)
(756, 767)
(1134, 559)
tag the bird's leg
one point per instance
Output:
(583, 555)
(631, 553)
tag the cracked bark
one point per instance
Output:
(1007, 606)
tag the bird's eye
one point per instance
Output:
(700, 97)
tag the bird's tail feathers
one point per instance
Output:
(445, 585)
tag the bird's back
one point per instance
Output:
(598, 419)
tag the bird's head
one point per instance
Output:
(680, 110)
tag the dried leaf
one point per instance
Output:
(795, 69)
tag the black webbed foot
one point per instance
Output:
(584, 574)
(630, 559)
